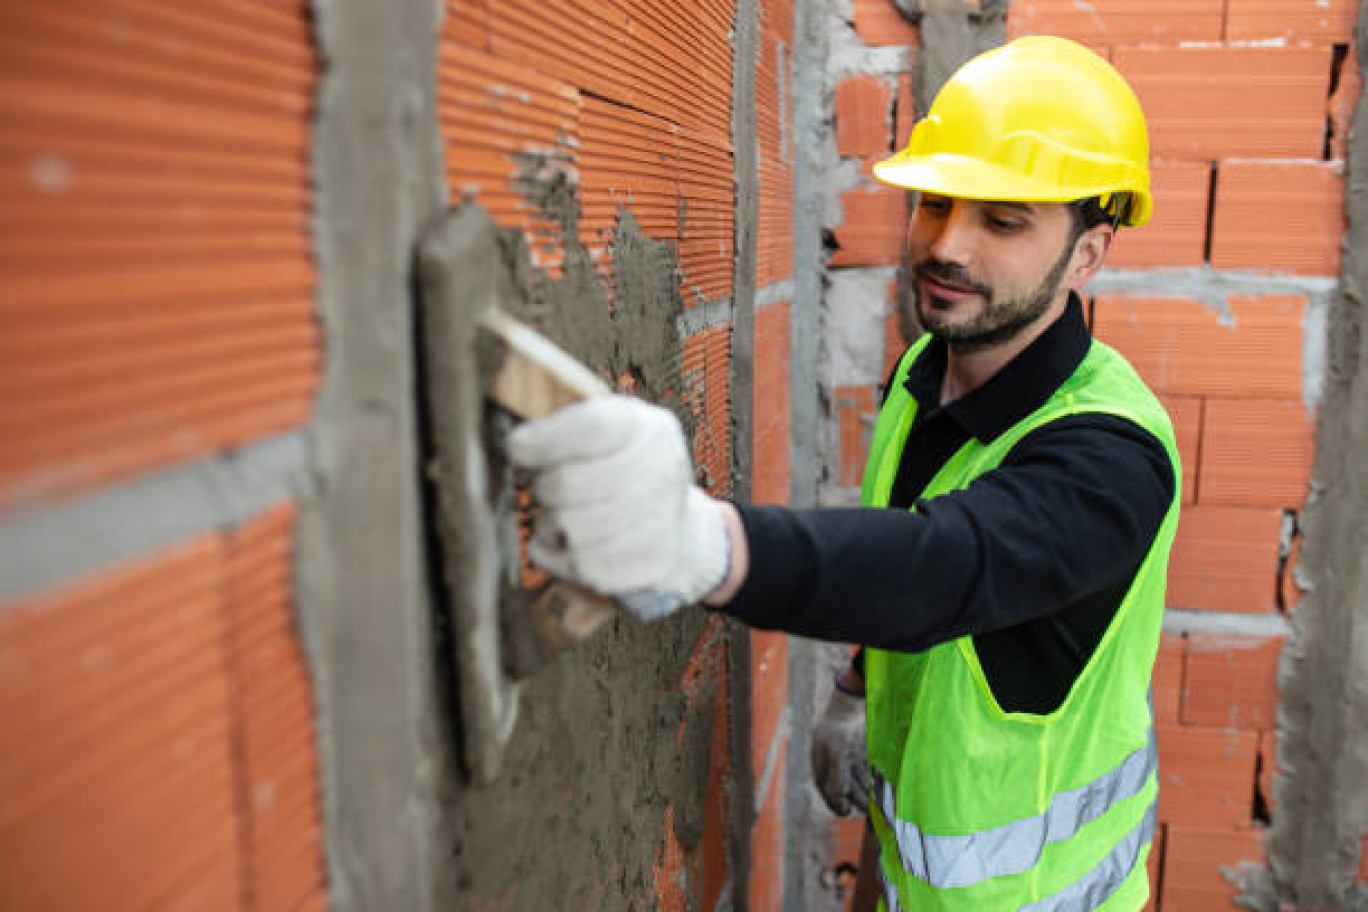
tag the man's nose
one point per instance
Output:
(954, 238)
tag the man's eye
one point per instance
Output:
(935, 206)
(1005, 225)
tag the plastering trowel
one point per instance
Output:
(473, 353)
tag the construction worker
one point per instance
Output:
(1006, 570)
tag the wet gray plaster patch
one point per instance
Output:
(45, 544)
(1321, 806)
(606, 746)
(857, 300)
(361, 579)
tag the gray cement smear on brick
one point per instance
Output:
(811, 135)
(43, 545)
(605, 741)
(853, 347)
(361, 579)
(746, 183)
(1321, 801)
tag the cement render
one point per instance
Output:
(362, 592)
(42, 547)
(1320, 793)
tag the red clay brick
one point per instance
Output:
(1179, 345)
(872, 232)
(1279, 216)
(467, 22)
(1343, 104)
(864, 107)
(1155, 866)
(1230, 680)
(772, 422)
(1225, 559)
(1103, 22)
(894, 343)
(275, 713)
(856, 407)
(1256, 453)
(1268, 764)
(157, 274)
(878, 22)
(766, 887)
(1176, 234)
(1186, 414)
(1195, 859)
(1206, 775)
(1231, 102)
(115, 726)
(1326, 20)
(769, 696)
(1168, 678)
(906, 113)
(706, 377)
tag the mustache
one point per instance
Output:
(950, 274)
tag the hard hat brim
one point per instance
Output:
(972, 178)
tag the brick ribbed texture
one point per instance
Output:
(156, 276)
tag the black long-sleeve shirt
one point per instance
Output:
(1031, 559)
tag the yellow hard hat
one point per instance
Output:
(1041, 119)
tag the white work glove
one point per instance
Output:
(840, 765)
(619, 511)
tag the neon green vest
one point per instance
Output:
(985, 810)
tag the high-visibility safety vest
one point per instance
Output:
(983, 810)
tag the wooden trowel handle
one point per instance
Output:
(530, 376)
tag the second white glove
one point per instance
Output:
(619, 510)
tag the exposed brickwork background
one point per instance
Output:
(157, 276)
(158, 309)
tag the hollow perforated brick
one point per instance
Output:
(1180, 345)
(878, 22)
(1194, 860)
(1279, 216)
(864, 109)
(1104, 22)
(1230, 681)
(1256, 453)
(1186, 414)
(871, 234)
(1206, 775)
(1176, 232)
(1205, 103)
(1316, 20)
(1225, 559)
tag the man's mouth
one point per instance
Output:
(947, 289)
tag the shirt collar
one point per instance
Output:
(1019, 388)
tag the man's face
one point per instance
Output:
(987, 270)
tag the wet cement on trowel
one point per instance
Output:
(606, 742)
(1321, 787)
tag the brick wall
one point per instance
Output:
(1217, 303)
(158, 314)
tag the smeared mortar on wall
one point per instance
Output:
(608, 750)
(1321, 805)
(361, 586)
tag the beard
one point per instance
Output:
(1000, 320)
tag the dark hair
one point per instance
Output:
(1089, 213)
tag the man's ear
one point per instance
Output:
(1090, 251)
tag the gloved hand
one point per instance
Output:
(619, 511)
(839, 762)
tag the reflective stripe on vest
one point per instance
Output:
(962, 861)
(1097, 886)
(890, 893)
